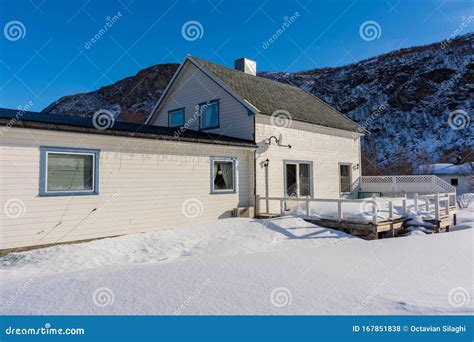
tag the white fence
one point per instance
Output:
(421, 184)
(432, 204)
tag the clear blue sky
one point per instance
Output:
(48, 59)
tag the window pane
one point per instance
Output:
(291, 183)
(305, 179)
(223, 175)
(177, 118)
(345, 174)
(210, 115)
(69, 172)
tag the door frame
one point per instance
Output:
(311, 174)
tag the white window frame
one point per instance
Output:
(234, 175)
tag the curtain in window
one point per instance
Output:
(69, 172)
(223, 175)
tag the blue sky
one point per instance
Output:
(46, 57)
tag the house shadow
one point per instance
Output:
(288, 232)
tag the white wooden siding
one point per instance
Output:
(143, 184)
(326, 148)
(193, 87)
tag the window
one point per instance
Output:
(222, 175)
(209, 112)
(176, 117)
(454, 181)
(298, 179)
(67, 171)
(345, 180)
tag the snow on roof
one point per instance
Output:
(446, 169)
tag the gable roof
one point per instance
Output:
(269, 96)
(16, 118)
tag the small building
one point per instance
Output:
(461, 176)
(217, 139)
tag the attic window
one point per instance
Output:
(176, 117)
(454, 181)
(209, 112)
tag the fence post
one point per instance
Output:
(390, 210)
(257, 205)
(404, 201)
(374, 210)
(446, 210)
(437, 206)
(415, 199)
(427, 203)
(282, 210)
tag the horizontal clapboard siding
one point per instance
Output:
(142, 187)
(324, 148)
(193, 87)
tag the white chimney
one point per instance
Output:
(246, 65)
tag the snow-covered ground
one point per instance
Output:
(241, 266)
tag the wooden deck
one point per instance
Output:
(377, 227)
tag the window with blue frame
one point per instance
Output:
(176, 117)
(223, 175)
(209, 112)
(68, 171)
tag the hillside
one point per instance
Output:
(403, 99)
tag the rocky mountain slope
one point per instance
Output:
(415, 103)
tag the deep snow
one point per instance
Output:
(242, 266)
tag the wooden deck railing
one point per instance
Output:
(447, 198)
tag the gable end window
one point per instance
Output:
(345, 178)
(454, 181)
(209, 112)
(68, 171)
(176, 117)
(223, 171)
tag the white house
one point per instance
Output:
(460, 176)
(217, 138)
